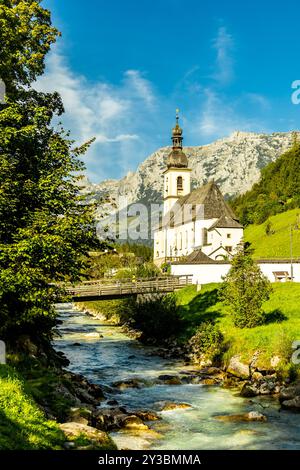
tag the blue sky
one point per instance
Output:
(123, 67)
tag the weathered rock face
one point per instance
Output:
(233, 162)
(238, 368)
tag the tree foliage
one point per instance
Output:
(245, 289)
(277, 190)
(45, 227)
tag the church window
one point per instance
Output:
(179, 183)
(228, 248)
(181, 240)
(186, 239)
(228, 235)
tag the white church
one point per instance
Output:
(198, 222)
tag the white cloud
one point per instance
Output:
(220, 117)
(141, 87)
(111, 114)
(223, 44)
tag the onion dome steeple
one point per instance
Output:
(177, 159)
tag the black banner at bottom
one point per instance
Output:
(137, 459)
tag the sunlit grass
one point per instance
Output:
(277, 244)
(273, 338)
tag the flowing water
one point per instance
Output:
(116, 357)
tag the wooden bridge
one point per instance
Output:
(113, 289)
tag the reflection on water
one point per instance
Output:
(115, 357)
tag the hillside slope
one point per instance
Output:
(276, 244)
(278, 189)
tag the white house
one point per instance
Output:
(197, 220)
(205, 270)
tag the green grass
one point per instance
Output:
(277, 244)
(23, 425)
(273, 338)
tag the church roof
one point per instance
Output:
(226, 222)
(198, 257)
(211, 198)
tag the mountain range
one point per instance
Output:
(234, 163)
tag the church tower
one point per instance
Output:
(177, 176)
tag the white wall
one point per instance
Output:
(269, 268)
(206, 273)
(202, 273)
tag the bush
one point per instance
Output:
(206, 342)
(155, 315)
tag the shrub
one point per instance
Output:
(155, 315)
(206, 342)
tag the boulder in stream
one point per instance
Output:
(171, 406)
(251, 416)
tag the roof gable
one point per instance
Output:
(210, 197)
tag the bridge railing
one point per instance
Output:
(120, 287)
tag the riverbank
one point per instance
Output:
(152, 402)
(44, 406)
(257, 360)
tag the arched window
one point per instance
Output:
(179, 183)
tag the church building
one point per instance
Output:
(197, 221)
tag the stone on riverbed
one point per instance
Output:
(238, 368)
(170, 406)
(251, 416)
(249, 391)
(293, 404)
(146, 415)
(170, 379)
(130, 383)
(133, 422)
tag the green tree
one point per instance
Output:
(276, 191)
(245, 289)
(46, 229)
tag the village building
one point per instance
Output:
(198, 220)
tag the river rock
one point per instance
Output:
(130, 383)
(293, 404)
(249, 391)
(238, 368)
(170, 406)
(257, 376)
(290, 392)
(133, 422)
(109, 419)
(146, 415)
(251, 416)
(170, 379)
(267, 387)
(80, 415)
(73, 430)
(112, 403)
